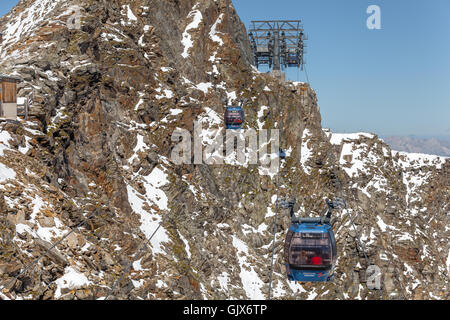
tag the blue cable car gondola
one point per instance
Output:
(234, 117)
(282, 154)
(310, 247)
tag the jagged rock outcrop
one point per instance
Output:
(108, 97)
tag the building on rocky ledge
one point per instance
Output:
(8, 96)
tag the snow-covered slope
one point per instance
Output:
(406, 187)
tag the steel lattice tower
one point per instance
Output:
(278, 43)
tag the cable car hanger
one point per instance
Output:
(338, 203)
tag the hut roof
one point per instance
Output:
(4, 77)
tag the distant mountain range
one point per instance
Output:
(419, 145)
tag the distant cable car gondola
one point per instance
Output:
(282, 154)
(293, 60)
(234, 117)
(310, 247)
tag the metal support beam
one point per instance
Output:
(276, 51)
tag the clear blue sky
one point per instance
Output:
(390, 81)
(6, 5)
(394, 81)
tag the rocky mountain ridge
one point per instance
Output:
(97, 147)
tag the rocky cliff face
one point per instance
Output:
(107, 99)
